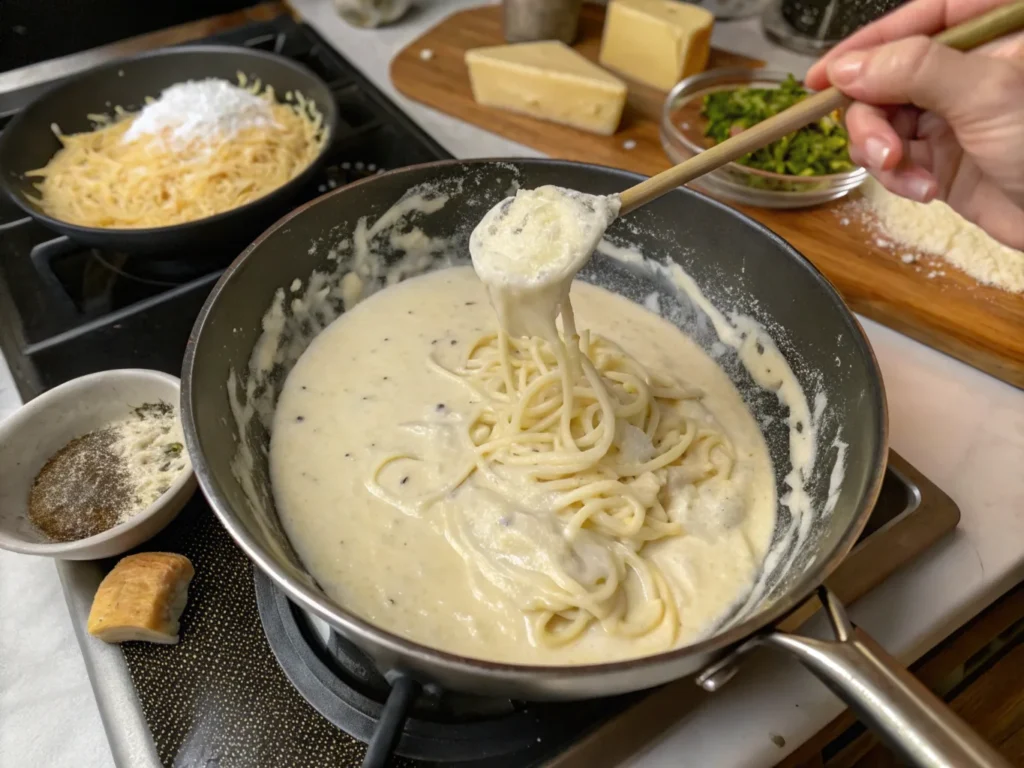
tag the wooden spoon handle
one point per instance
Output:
(970, 34)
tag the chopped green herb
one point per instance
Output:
(817, 149)
(173, 449)
(153, 410)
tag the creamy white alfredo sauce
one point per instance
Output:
(364, 390)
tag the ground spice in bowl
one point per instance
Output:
(109, 475)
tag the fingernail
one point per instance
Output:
(921, 189)
(876, 152)
(847, 67)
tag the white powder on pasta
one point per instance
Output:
(200, 110)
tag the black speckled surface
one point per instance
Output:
(443, 727)
(218, 699)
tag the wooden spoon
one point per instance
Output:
(963, 37)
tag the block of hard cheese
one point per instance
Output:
(658, 42)
(548, 80)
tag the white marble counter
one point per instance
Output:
(962, 428)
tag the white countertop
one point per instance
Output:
(962, 428)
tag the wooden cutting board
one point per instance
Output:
(982, 326)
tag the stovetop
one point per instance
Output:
(254, 681)
(67, 310)
(221, 697)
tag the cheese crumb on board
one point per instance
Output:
(550, 81)
(937, 229)
(657, 42)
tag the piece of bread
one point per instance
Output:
(142, 599)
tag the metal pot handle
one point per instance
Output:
(888, 698)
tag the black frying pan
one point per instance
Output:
(29, 143)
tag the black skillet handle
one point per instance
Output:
(404, 691)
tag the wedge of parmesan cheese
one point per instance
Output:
(550, 81)
(657, 42)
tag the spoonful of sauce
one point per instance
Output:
(528, 248)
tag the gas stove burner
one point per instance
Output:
(431, 704)
(344, 686)
(87, 283)
(68, 260)
(120, 264)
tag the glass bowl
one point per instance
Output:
(682, 137)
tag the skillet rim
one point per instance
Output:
(715, 645)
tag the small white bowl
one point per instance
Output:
(46, 424)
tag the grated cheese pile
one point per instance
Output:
(151, 447)
(200, 110)
(937, 229)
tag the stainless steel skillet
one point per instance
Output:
(732, 259)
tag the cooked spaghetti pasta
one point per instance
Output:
(103, 178)
(601, 438)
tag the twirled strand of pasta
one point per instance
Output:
(601, 438)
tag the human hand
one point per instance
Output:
(931, 122)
